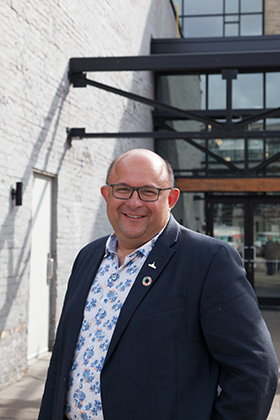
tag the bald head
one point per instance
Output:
(136, 220)
(144, 155)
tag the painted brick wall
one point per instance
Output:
(38, 37)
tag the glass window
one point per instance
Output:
(231, 150)
(272, 123)
(272, 147)
(274, 167)
(217, 92)
(180, 91)
(228, 223)
(232, 6)
(231, 18)
(247, 91)
(251, 25)
(202, 79)
(203, 27)
(255, 150)
(231, 29)
(249, 6)
(201, 18)
(189, 211)
(180, 4)
(256, 125)
(183, 155)
(266, 219)
(273, 90)
(202, 7)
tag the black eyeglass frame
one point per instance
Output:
(137, 189)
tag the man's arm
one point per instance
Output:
(238, 339)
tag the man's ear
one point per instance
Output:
(173, 197)
(105, 192)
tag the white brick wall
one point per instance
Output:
(37, 39)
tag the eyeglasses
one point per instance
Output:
(124, 192)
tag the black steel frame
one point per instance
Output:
(248, 201)
(177, 56)
(224, 14)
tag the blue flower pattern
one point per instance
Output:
(105, 299)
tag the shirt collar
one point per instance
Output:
(111, 246)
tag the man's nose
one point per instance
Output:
(134, 200)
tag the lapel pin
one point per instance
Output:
(147, 281)
(153, 265)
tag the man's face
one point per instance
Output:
(135, 222)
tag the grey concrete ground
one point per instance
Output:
(21, 401)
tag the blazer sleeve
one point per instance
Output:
(237, 337)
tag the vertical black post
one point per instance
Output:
(229, 75)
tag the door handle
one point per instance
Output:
(252, 260)
(50, 265)
(243, 253)
(254, 253)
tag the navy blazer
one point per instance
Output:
(191, 346)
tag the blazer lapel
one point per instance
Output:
(159, 258)
(81, 284)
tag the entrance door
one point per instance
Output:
(251, 224)
(39, 293)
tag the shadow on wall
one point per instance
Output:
(16, 269)
(132, 107)
(17, 265)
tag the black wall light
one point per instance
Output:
(17, 194)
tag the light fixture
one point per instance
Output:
(17, 194)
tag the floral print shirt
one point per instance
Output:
(105, 299)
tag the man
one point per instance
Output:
(271, 255)
(159, 322)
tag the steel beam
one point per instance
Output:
(221, 113)
(180, 63)
(82, 81)
(172, 135)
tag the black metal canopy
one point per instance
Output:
(194, 55)
(228, 56)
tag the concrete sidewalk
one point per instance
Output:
(21, 401)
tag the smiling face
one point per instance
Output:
(135, 222)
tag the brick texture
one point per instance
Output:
(271, 17)
(38, 37)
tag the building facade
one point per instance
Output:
(82, 83)
(225, 150)
(49, 191)
(216, 118)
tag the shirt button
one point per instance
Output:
(114, 277)
(102, 311)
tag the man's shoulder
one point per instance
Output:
(88, 250)
(95, 248)
(188, 239)
(95, 244)
(185, 234)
